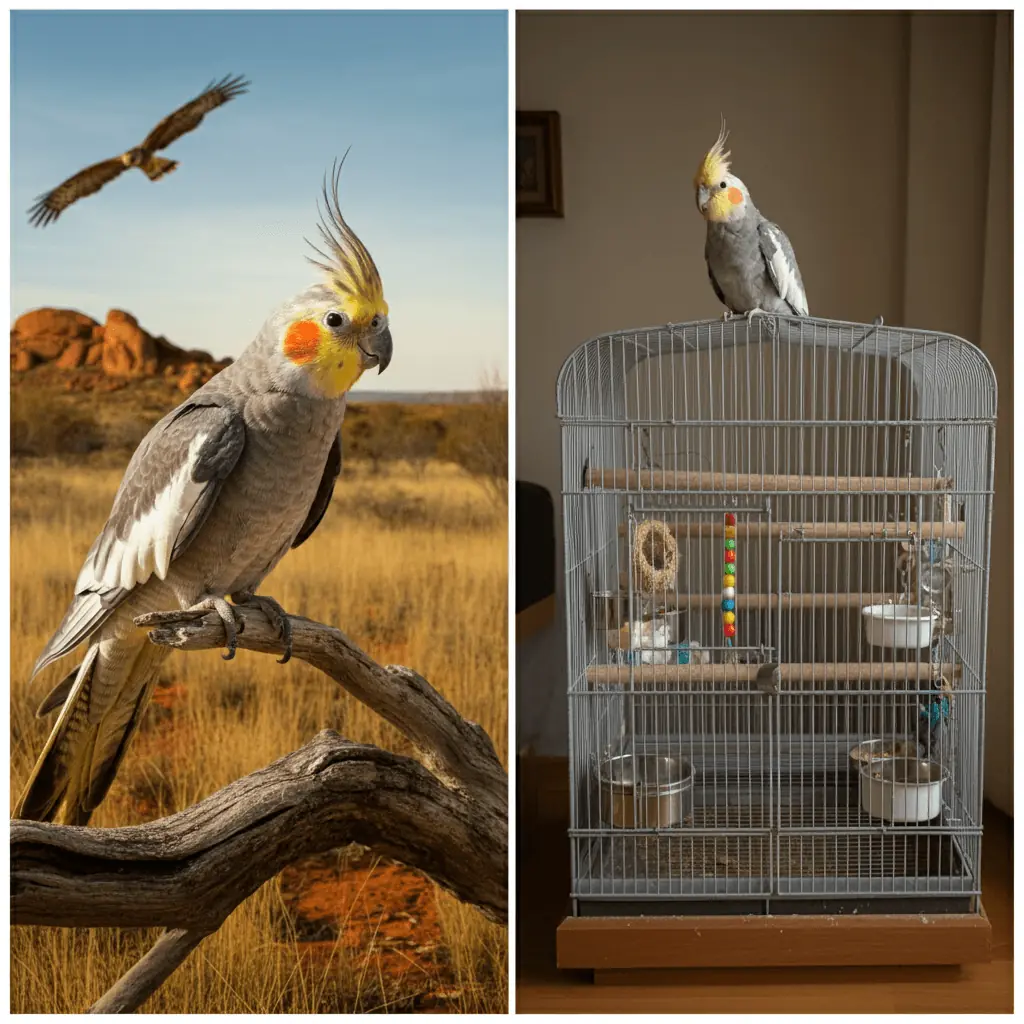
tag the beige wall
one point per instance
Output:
(880, 142)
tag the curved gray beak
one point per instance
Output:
(702, 197)
(377, 351)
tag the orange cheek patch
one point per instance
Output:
(735, 196)
(302, 341)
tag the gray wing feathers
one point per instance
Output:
(85, 615)
(780, 261)
(323, 493)
(168, 490)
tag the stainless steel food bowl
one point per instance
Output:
(869, 751)
(645, 790)
(903, 789)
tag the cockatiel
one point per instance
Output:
(214, 496)
(750, 260)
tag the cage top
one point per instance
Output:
(955, 372)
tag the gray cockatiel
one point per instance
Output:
(215, 495)
(750, 260)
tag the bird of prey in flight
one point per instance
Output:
(49, 207)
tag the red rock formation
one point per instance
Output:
(22, 360)
(73, 356)
(45, 333)
(118, 349)
(128, 351)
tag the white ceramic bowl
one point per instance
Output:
(902, 789)
(899, 625)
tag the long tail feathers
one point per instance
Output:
(157, 166)
(87, 744)
(58, 695)
(48, 782)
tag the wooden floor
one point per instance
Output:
(543, 884)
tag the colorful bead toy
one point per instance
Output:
(729, 580)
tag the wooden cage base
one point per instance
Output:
(613, 946)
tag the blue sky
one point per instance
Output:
(204, 255)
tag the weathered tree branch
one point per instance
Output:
(189, 871)
(456, 751)
(139, 983)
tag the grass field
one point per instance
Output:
(410, 562)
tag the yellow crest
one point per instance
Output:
(715, 164)
(350, 269)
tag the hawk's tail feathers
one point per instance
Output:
(157, 166)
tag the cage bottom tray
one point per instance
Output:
(765, 856)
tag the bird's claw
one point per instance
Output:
(277, 617)
(232, 627)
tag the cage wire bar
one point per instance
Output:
(853, 467)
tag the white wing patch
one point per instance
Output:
(785, 277)
(149, 544)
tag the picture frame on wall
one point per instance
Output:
(538, 164)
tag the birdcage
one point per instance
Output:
(792, 492)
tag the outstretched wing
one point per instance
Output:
(188, 117)
(168, 490)
(48, 207)
(782, 267)
(323, 493)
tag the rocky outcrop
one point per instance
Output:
(46, 333)
(128, 351)
(119, 348)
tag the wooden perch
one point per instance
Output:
(749, 602)
(189, 871)
(705, 528)
(812, 672)
(758, 483)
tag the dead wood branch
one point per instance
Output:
(456, 751)
(189, 871)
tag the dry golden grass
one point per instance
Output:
(412, 565)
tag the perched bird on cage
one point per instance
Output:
(750, 260)
(214, 496)
(51, 205)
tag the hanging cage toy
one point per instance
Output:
(729, 581)
(655, 558)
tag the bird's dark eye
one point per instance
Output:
(377, 322)
(334, 319)
(722, 185)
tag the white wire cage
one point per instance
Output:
(843, 473)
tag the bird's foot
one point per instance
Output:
(756, 311)
(275, 614)
(729, 315)
(232, 625)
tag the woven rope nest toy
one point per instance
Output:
(655, 557)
